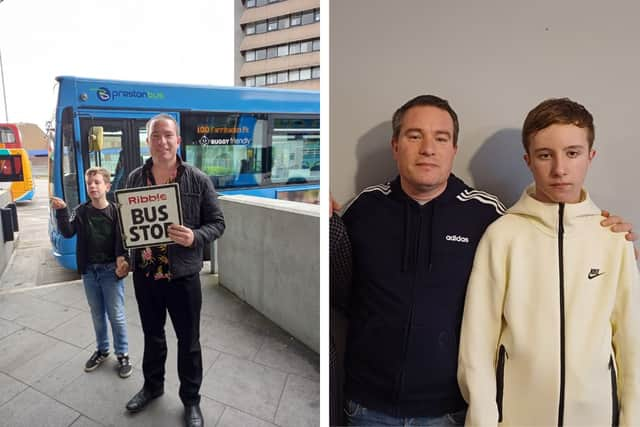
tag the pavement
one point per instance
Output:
(255, 374)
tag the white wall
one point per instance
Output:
(494, 61)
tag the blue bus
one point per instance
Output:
(255, 141)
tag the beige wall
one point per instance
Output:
(494, 60)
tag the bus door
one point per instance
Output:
(118, 145)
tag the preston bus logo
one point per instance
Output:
(103, 93)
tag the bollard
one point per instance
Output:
(7, 224)
(14, 214)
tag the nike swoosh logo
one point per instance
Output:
(593, 275)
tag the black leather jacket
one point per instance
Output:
(200, 212)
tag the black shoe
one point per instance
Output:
(193, 416)
(124, 366)
(95, 360)
(141, 399)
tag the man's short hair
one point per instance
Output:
(425, 100)
(106, 175)
(561, 111)
(163, 116)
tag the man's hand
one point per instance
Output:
(618, 225)
(58, 203)
(122, 267)
(181, 235)
(334, 206)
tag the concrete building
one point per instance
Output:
(277, 43)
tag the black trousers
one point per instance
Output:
(182, 299)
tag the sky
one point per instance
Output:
(189, 41)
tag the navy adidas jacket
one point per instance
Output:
(411, 264)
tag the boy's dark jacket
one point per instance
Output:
(411, 264)
(200, 212)
(77, 224)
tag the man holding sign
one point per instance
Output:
(166, 276)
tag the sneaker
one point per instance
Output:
(95, 360)
(124, 367)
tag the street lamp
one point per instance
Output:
(4, 91)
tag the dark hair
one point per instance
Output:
(425, 100)
(163, 116)
(557, 111)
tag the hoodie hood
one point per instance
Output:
(545, 215)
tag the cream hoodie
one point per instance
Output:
(551, 322)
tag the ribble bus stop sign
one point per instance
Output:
(147, 212)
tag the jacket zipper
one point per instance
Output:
(615, 411)
(562, 343)
(502, 356)
(401, 376)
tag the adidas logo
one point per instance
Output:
(455, 238)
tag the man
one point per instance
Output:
(553, 295)
(413, 243)
(166, 278)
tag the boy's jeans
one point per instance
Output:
(105, 295)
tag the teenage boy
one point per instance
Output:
(102, 262)
(550, 328)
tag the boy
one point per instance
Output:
(550, 328)
(102, 262)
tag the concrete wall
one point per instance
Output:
(269, 256)
(6, 248)
(494, 61)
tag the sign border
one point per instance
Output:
(124, 191)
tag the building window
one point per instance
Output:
(283, 77)
(283, 22)
(250, 3)
(294, 75)
(261, 80)
(306, 46)
(293, 48)
(261, 27)
(305, 73)
(307, 17)
(272, 78)
(283, 50)
(315, 73)
(261, 3)
(250, 81)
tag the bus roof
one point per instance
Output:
(88, 93)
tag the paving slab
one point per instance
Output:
(300, 403)
(245, 385)
(230, 337)
(9, 387)
(234, 418)
(289, 355)
(32, 408)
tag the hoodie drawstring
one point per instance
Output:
(405, 255)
